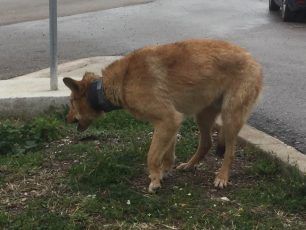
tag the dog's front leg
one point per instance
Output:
(168, 160)
(164, 134)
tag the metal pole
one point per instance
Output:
(53, 44)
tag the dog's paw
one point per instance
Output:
(221, 182)
(184, 166)
(154, 186)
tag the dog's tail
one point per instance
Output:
(237, 104)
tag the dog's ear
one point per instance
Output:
(71, 84)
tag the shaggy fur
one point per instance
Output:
(163, 84)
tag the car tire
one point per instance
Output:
(273, 6)
(286, 12)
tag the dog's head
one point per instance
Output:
(80, 110)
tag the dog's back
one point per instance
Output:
(187, 75)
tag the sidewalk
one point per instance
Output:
(29, 95)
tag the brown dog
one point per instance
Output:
(163, 84)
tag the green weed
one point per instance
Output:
(18, 137)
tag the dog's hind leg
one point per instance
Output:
(165, 131)
(220, 150)
(205, 120)
(236, 108)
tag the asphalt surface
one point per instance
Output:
(280, 47)
(14, 11)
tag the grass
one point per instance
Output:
(98, 180)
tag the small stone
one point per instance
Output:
(224, 198)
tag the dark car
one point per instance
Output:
(289, 8)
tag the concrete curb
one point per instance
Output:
(272, 146)
(29, 95)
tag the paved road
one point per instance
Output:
(279, 46)
(13, 11)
